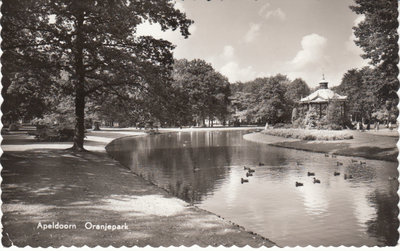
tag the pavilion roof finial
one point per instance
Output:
(323, 76)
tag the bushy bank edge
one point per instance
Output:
(304, 134)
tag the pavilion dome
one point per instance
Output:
(323, 95)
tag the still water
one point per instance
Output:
(205, 168)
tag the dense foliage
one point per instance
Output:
(200, 93)
(84, 49)
(363, 102)
(267, 100)
(70, 62)
(372, 90)
(377, 36)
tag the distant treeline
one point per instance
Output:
(195, 94)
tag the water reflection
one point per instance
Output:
(205, 168)
(384, 226)
(188, 165)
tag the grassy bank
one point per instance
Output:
(371, 145)
(56, 185)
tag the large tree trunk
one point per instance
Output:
(79, 89)
(79, 119)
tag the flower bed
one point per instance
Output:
(305, 134)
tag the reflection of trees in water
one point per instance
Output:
(361, 173)
(384, 226)
(191, 173)
(278, 161)
(187, 165)
(169, 161)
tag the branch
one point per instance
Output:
(25, 46)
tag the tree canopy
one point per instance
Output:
(377, 36)
(202, 92)
(372, 90)
(268, 99)
(296, 90)
(362, 98)
(86, 48)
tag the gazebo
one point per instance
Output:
(321, 98)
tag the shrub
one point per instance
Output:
(335, 119)
(13, 127)
(308, 137)
(311, 119)
(54, 134)
(304, 134)
(335, 127)
(298, 123)
(65, 134)
(295, 114)
(282, 125)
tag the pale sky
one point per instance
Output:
(246, 39)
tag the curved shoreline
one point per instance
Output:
(191, 205)
(382, 147)
(99, 189)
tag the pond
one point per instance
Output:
(206, 168)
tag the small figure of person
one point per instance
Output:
(390, 126)
(358, 126)
(377, 126)
(266, 126)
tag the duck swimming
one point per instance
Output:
(316, 180)
(243, 180)
(249, 174)
(298, 184)
(261, 164)
(310, 174)
(336, 173)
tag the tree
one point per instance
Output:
(296, 90)
(91, 44)
(377, 36)
(242, 103)
(360, 90)
(265, 99)
(205, 91)
(352, 86)
(272, 106)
